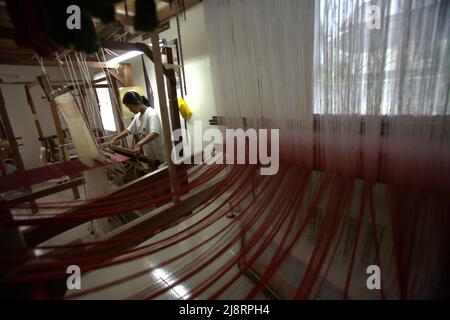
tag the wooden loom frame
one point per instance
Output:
(39, 234)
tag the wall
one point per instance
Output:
(200, 95)
(20, 113)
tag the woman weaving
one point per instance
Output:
(146, 125)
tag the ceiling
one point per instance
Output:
(10, 53)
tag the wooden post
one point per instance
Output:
(10, 135)
(119, 112)
(171, 83)
(59, 131)
(114, 75)
(34, 113)
(164, 116)
(127, 73)
(13, 144)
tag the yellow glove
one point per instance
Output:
(184, 109)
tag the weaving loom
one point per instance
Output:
(363, 178)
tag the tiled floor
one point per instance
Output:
(162, 277)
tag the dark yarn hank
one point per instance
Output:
(41, 24)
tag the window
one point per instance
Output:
(400, 69)
(106, 109)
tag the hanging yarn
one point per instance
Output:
(42, 24)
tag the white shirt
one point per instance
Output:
(142, 126)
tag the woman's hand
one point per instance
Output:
(137, 148)
(116, 138)
(113, 140)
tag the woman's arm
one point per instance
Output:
(121, 135)
(148, 138)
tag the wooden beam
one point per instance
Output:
(100, 86)
(10, 134)
(134, 156)
(61, 91)
(149, 53)
(47, 191)
(34, 113)
(171, 84)
(152, 223)
(163, 14)
(126, 46)
(164, 116)
(13, 142)
(160, 219)
(16, 50)
(116, 45)
(166, 13)
(47, 62)
(38, 234)
(56, 120)
(99, 80)
(127, 73)
(121, 80)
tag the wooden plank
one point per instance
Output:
(133, 155)
(128, 75)
(34, 113)
(10, 134)
(167, 12)
(116, 45)
(152, 223)
(61, 91)
(17, 50)
(54, 110)
(99, 80)
(47, 191)
(149, 53)
(57, 122)
(38, 234)
(125, 46)
(47, 62)
(164, 116)
(13, 143)
(171, 84)
(163, 14)
(101, 86)
(116, 76)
